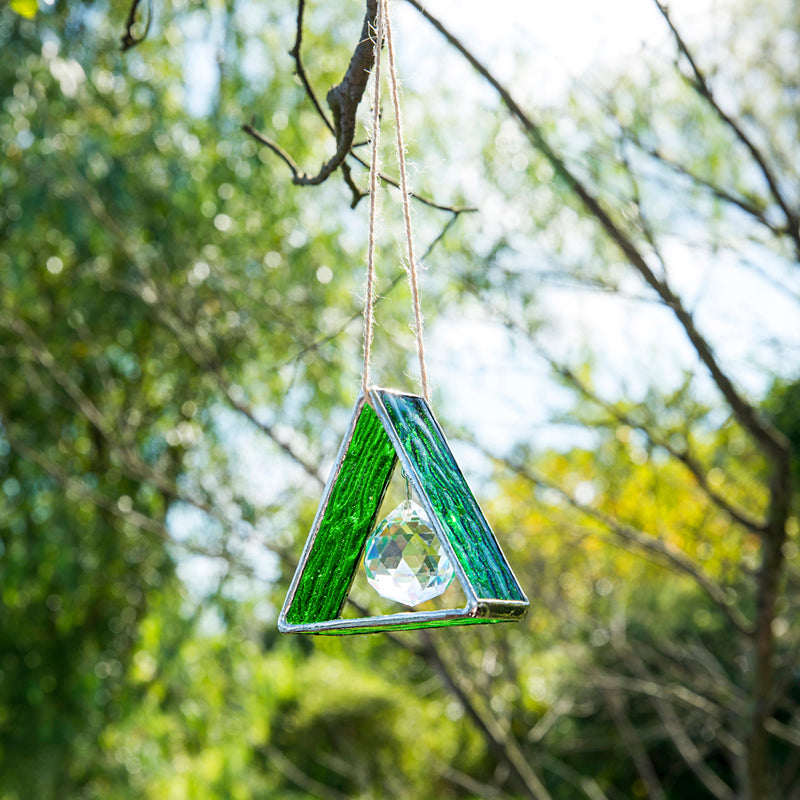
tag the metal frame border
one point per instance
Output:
(476, 609)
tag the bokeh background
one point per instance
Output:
(609, 221)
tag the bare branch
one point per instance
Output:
(683, 455)
(663, 692)
(768, 437)
(128, 38)
(357, 315)
(691, 753)
(699, 83)
(299, 778)
(744, 204)
(787, 733)
(299, 177)
(584, 783)
(673, 724)
(300, 70)
(474, 787)
(617, 704)
(553, 714)
(505, 748)
(343, 99)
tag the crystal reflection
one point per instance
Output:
(404, 559)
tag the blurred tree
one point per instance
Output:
(718, 135)
(128, 322)
(170, 332)
(697, 671)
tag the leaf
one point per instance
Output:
(25, 8)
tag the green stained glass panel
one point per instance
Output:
(450, 497)
(396, 425)
(348, 516)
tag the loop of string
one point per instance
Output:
(383, 30)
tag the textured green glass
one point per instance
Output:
(450, 497)
(349, 516)
(349, 510)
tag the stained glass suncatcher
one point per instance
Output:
(397, 426)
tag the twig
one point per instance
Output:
(128, 39)
(584, 783)
(356, 315)
(505, 748)
(300, 70)
(299, 778)
(744, 204)
(343, 101)
(617, 704)
(300, 178)
(683, 456)
(768, 437)
(672, 722)
(701, 86)
(474, 787)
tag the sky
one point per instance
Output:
(562, 40)
(498, 388)
(541, 50)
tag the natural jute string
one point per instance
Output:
(383, 29)
(369, 294)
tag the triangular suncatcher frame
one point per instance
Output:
(391, 426)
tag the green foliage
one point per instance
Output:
(25, 8)
(179, 350)
(783, 407)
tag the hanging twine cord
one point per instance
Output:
(411, 267)
(384, 29)
(369, 294)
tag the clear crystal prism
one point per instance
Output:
(404, 559)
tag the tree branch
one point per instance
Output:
(617, 704)
(299, 778)
(699, 83)
(300, 70)
(504, 748)
(673, 724)
(768, 437)
(343, 99)
(683, 456)
(128, 38)
(746, 205)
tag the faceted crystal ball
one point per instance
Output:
(404, 559)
